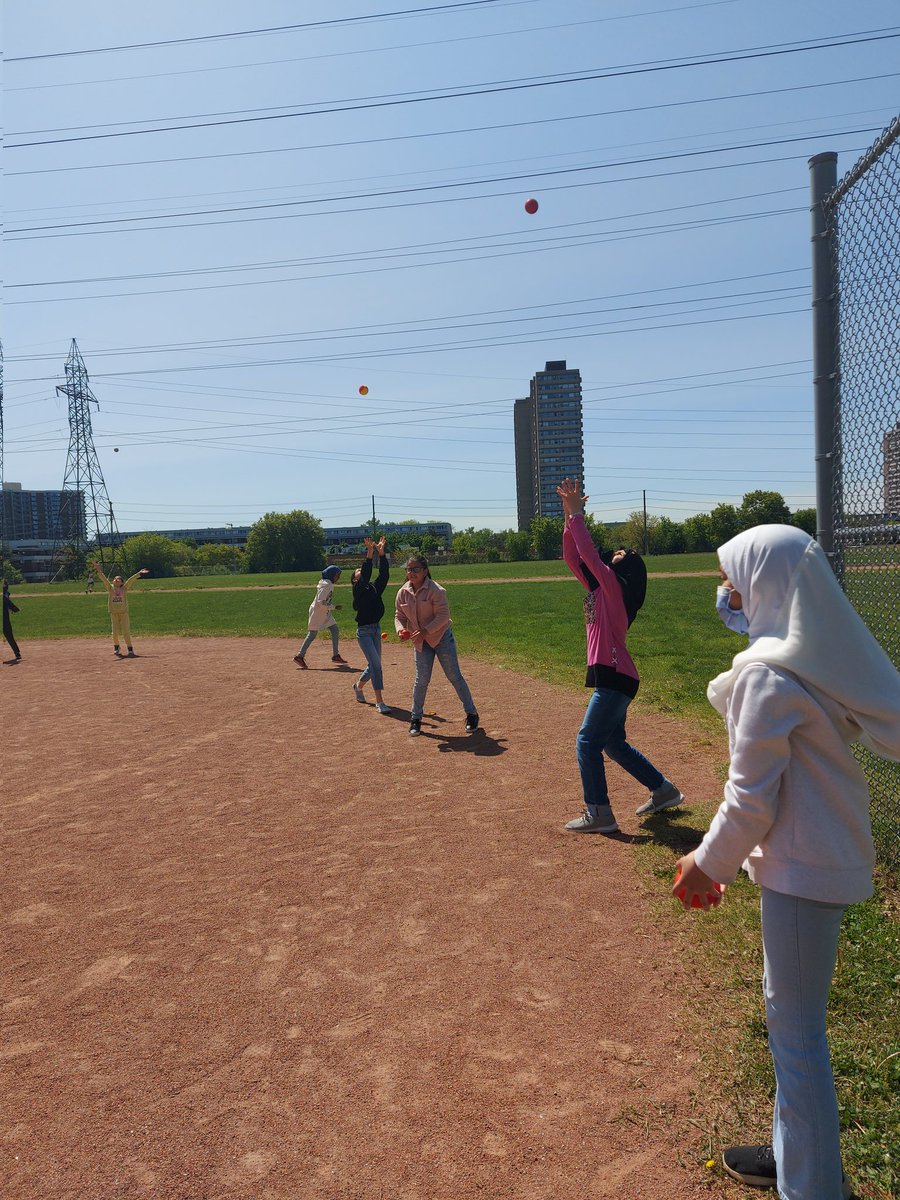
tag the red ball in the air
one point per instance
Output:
(531, 206)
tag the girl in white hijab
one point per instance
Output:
(796, 817)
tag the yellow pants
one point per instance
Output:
(121, 630)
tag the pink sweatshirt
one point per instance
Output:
(609, 663)
(425, 613)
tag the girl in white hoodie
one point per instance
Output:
(796, 817)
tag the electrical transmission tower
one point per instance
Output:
(85, 524)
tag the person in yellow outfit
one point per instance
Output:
(117, 591)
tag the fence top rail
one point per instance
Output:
(887, 139)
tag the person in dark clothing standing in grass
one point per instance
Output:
(9, 607)
(369, 608)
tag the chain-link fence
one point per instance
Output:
(862, 216)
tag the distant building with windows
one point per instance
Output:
(29, 524)
(340, 540)
(891, 447)
(549, 440)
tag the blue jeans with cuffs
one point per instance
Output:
(369, 638)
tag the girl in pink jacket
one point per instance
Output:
(422, 616)
(611, 672)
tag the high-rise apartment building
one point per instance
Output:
(548, 439)
(33, 516)
(891, 447)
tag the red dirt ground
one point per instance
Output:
(260, 944)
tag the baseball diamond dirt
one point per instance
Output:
(260, 944)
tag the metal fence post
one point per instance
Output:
(823, 180)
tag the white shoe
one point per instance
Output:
(382, 707)
(358, 693)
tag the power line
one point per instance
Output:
(616, 112)
(269, 30)
(461, 91)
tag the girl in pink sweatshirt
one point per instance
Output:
(611, 589)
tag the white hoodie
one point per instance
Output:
(813, 680)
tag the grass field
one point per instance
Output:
(679, 643)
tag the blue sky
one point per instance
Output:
(240, 231)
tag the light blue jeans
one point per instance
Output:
(603, 731)
(369, 638)
(445, 652)
(313, 634)
(800, 940)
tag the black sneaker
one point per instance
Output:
(415, 727)
(755, 1166)
(471, 722)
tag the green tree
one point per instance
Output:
(806, 519)
(631, 534)
(216, 555)
(429, 544)
(11, 573)
(764, 508)
(517, 544)
(668, 537)
(159, 554)
(724, 524)
(291, 541)
(546, 537)
(697, 535)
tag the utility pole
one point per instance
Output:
(374, 522)
(2, 522)
(85, 517)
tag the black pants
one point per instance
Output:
(8, 634)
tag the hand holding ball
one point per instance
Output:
(404, 635)
(712, 899)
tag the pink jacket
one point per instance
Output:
(425, 613)
(609, 663)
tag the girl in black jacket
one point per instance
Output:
(9, 607)
(369, 608)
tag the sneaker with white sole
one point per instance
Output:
(471, 722)
(755, 1166)
(383, 708)
(415, 727)
(597, 820)
(358, 693)
(665, 796)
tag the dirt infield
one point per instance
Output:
(260, 944)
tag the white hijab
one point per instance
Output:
(800, 620)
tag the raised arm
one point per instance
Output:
(578, 546)
(99, 570)
(137, 575)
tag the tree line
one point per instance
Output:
(295, 541)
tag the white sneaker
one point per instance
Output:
(667, 796)
(382, 707)
(599, 821)
(358, 693)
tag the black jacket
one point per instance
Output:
(367, 602)
(8, 606)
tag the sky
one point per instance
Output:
(245, 213)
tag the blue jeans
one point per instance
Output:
(369, 638)
(445, 652)
(313, 634)
(603, 731)
(800, 940)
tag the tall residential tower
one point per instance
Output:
(549, 441)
